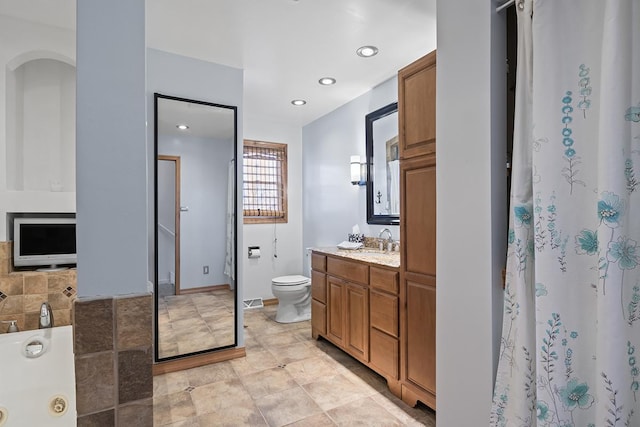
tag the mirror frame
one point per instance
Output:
(156, 98)
(370, 118)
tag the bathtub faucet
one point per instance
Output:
(46, 316)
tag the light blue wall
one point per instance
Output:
(471, 206)
(258, 272)
(111, 155)
(331, 204)
(204, 170)
(185, 77)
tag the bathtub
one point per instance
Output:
(37, 378)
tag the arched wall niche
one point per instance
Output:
(40, 140)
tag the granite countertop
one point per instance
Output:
(370, 255)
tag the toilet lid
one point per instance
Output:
(290, 280)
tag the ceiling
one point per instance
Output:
(283, 46)
(202, 120)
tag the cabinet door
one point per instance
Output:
(418, 219)
(335, 310)
(418, 277)
(357, 320)
(417, 107)
(420, 343)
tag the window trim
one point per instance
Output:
(268, 219)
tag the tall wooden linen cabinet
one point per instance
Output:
(417, 134)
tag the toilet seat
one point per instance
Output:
(290, 280)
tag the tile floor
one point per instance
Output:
(286, 379)
(192, 322)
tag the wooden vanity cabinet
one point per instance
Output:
(362, 312)
(416, 108)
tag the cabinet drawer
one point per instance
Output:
(319, 317)
(349, 270)
(384, 354)
(319, 286)
(318, 262)
(384, 312)
(386, 280)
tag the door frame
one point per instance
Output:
(176, 208)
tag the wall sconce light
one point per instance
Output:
(358, 171)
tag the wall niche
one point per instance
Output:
(40, 127)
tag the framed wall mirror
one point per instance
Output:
(195, 227)
(383, 166)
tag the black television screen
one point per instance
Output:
(47, 241)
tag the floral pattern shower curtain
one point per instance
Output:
(570, 353)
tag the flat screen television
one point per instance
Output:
(48, 242)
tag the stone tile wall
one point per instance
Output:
(113, 356)
(22, 293)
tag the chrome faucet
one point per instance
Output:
(46, 316)
(389, 239)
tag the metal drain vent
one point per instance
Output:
(253, 303)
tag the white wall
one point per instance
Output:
(258, 272)
(21, 41)
(203, 190)
(41, 148)
(471, 207)
(332, 205)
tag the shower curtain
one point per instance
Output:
(570, 348)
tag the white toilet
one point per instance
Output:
(294, 298)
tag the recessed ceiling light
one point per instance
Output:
(182, 127)
(326, 81)
(298, 102)
(367, 51)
